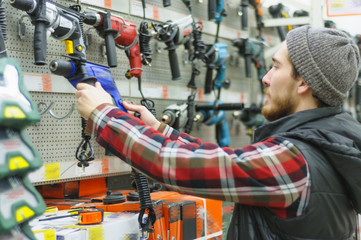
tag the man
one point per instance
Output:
(301, 179)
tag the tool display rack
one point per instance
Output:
(58, 133)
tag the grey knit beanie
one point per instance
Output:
(327, 59)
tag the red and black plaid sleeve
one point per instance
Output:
(272, 173)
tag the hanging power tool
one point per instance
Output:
(124, 34)
(252, 50)
(214, 114)
(175, 115)
(215, 57)
(278, 11)
(62, 23)
(174, 34)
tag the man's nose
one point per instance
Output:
(267, 78)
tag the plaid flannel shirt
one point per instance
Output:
(272, 173)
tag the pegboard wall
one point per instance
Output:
(58, 133)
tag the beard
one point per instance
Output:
(278, 107)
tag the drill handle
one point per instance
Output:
(174, 65)
(110, 48)
(109, 40)
(222, 134)
(208, 85)
(38, 18)
(244, 18)
(212, 9)
(40, 43)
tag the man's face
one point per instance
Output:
(281, 87)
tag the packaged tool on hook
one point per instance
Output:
(17, 155)
(17, 110)
(19, 202)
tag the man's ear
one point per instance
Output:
(303, 86)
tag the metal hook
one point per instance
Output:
(21, 26)
(48, 109)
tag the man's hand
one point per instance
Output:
(146, 116)
(89, 97)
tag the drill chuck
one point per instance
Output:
(62, 67)
(199, 117)
(168, 117)
(92, 18)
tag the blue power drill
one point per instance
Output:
(89, 73)
(65, 23)
(218, 118)
(215, 58)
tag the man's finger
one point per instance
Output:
(81, 86)
(98, 85)
(132, 107)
